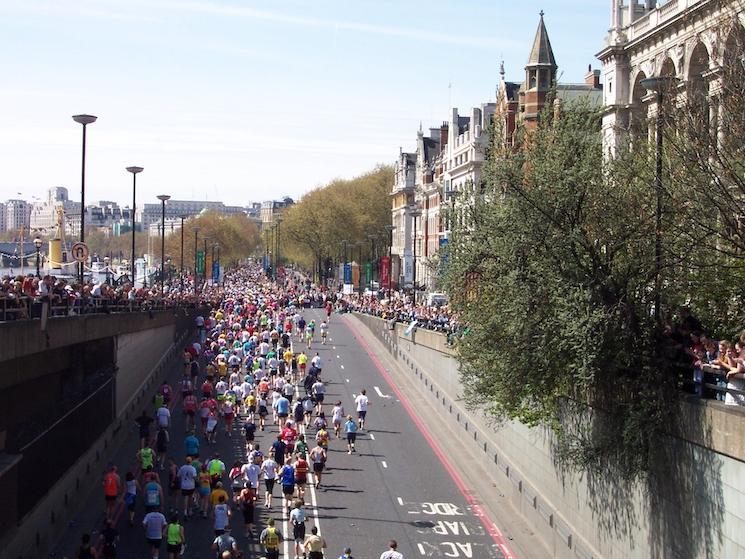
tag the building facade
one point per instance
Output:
(17, 215)
(690, 40)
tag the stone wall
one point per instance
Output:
(692, 508)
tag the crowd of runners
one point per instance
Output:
(252, 376)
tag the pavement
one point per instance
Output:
(411, 478)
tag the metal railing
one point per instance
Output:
(29, 308)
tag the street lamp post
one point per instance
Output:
(219, 277)
(390, 229)
(37, 244)
(279, 222)
(658, 84)
(163, 198)
(85, 120)
(134, 171)
(205, 259)
(415, 213)
(106, 261)
(196, 233)
(183, 217)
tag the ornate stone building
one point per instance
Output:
(687, 39)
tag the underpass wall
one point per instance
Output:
(693, 508)
(147, 348)
(130, 349)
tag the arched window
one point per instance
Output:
(698, 87)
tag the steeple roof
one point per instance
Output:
(541, 54)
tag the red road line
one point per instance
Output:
(490, 527)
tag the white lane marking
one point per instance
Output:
(338, 357)
(400, 501)
(333, 347)
(346, 379)
(380, 393)
(421, 548)
(354, 395)
(342, 366)
(384, 464)
(372, 436)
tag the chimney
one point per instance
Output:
(593, 77)
(443, 135)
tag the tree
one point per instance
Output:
(343, 209)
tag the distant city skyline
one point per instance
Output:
(225, 102)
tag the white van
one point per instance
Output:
(437, 299)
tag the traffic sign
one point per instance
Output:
(80, 252)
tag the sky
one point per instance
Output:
(250, 100)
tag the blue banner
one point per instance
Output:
(215, 272)
(347, 273)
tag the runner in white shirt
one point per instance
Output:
(164, 417)
(269, 469)
(362, 402)
(337, 417)
(187, 475)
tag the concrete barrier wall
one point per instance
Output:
(132, 372)
(150, 349)
(695, 508)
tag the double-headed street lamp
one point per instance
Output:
(390, 229)
(183, 217)
(658, 84)
(85, 120)
(196, 233)
(416, 212)
(134, 171)
(163, 198)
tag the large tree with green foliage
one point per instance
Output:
(351, 209)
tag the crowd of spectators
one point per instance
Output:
(22, 297)
(402, 309)
(718, 365)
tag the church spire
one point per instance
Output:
(541, 54)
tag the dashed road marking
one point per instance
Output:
(342, 366)
(384, 464)
(372, 436)
(400, 501)
(346, 379)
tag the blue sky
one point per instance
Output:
(249, 100)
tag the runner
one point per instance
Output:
(86, 550)
(270, 538)
(392, 552)
(318, 391)
(187, 476)
(269, 469)
(324, 332)
(350, 428)
(314, 544)
(155, 526)
(301, 475)
(221, 514)
(287, 477)
(175, 538)
(362, 402)
(153, 493)
(130, 495)
(112, 488)
(298, 518)
(337, 416)
(318, 457)
(245, 500)
(109, 540)
(205, 482)
(225, 543)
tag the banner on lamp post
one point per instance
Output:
(347, 273)
(385, 272)
(368, 274)
(200, 262)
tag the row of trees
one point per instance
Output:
(556, 268)
(237, 236)
(350, 209)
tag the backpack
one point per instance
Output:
(271, 541)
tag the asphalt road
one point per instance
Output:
(401, 483)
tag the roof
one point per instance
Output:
(541, 54)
